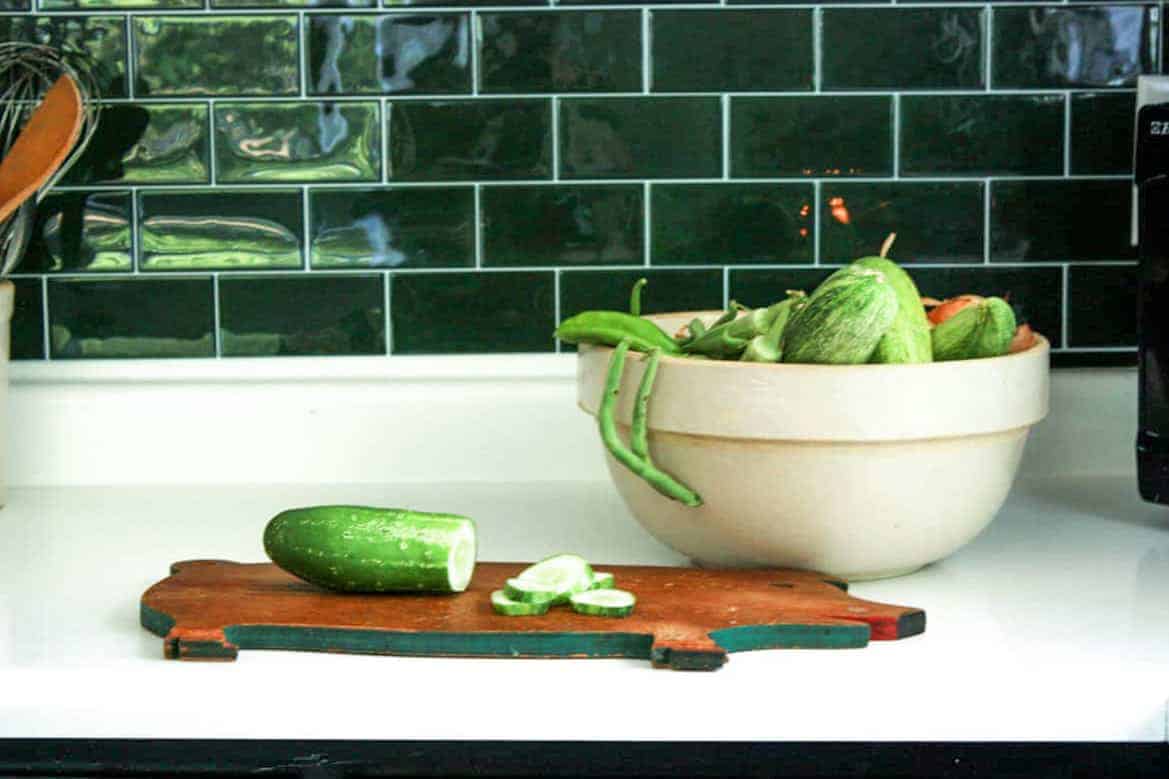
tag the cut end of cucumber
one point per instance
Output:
(604, 603)
(603, 580)
(514, 608)
(565, 573)
(461, 559)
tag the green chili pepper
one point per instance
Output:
(613, 327)
(637, 460)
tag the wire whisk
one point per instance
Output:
(27, 71)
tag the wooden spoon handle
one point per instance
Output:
(42, 145)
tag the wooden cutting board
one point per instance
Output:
(686, 618)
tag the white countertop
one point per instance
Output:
(1052, 625)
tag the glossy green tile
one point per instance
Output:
(1102, 305)
(116, 5)
(101, 38)
(15, 5)
(811, 136)
(1102, 133)
(982, 135)
(1078, 46)
(302, 315)
(690, 289)
(740, 51)
(465, 3)
(391, 54)
(1058, 221)
(297, 3)
(563, 225)
(1035, 293)
(131, 318)
(902, 48)
(714, 224)
(761, 287)
(486, 140)
(934, 222)
(468, 312)
(220, 230)
(146, 143)
(562, 51)
(80, 231)
(634, 137)
(414, 227)
(27, 333)
(217, 56)
(304, 141)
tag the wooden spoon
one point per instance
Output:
(42, 145)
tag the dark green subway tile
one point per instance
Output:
(1058, 221)
(1102, 305)
(563, 225)
(216, 55)
(302, 315)
(305, 141)
(902, 48)
(101, 38)
(220, 230)
(470, 140)
(116, 5)
(466, 3)
(1102, 132)
(80, 231)
(472, 312)
(737, 51)
(982, 135)
(757, 287)
(560, 51)
(27, 339)
(934, 222)
(155, 143)
(683, 289)
(811, 136)
(634, 137)
(391, 54)
(298, 3)
(715, 224)
(622, 2)
(131, 318)
(412, 227)
(1081, 46)
(15, 5)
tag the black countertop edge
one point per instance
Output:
(336, 759)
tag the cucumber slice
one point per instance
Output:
(603, 580)
(529, 592)
(514, 608)
(565, 573)
(604, 603)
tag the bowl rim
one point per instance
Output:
(1041, 345)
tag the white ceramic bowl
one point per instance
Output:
(859, 471)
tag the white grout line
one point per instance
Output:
(556, 305)
(1065, 281)
(647, 223)
(817, 48)
(387, 285)
(726, 286)
(1067, 134)
(988, 47)
(725, 104)
(646, 47)
(384, 121)
(302, 57)
(478, 226)
(986, 221)
(134, 238)
(816, 226)
(130, 54)
(212, 162)
(476, 38)
(555, 139)
(452, 9)
(46, 343)
(306, 231)
(896, 136)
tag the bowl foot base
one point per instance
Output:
(862, 576)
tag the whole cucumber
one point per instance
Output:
(368, 549)
(843, 319)
(908, 338)
(981, 330)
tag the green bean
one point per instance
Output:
(659, 480)
(637, 436)
(635, 296)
